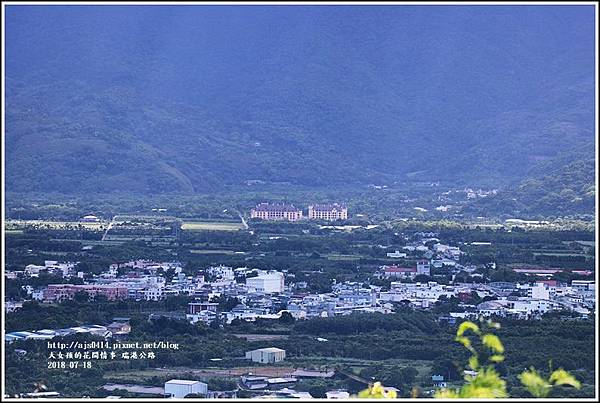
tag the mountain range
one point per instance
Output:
(155, 99)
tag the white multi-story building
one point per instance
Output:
(266, 282)
(276, 212)
(583, 285)
(328, 212)
(423, 267)
(539, 291)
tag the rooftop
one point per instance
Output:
(327, 207)
(182, 382)
(396, 269)
(270, 350)
(276, 207)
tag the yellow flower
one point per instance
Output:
(377, 388)
(391, 394)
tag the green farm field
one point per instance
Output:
(21, 224)
(211, 226)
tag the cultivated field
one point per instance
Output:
(130, 376)
(41, 224)
(212, 251)
(261, 337)
(211, 226)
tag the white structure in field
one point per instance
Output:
(396, 254)
(266, 355)
(179, 388)
(90, 218)
(266, 282)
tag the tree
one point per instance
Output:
(81, 297)
(286, 318)
(485, 381)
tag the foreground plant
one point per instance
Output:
(486, 382)
(483, 381)
(377, 391)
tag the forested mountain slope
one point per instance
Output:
(189, 99)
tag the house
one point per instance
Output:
(399, 272)
(13, 274)
(222, 272)
(33, 270)
(438, 263)
(119, 330)
(12, 306)
(423, 267)
(281, 382)
(396, 254)
(179, 388)
(438, 381)
(266, 355)
(254, 382)
(197, 307)
(206, 317)
(583, 285)
(119, 327)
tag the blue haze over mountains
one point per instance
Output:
(194, 98)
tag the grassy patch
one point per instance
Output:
(21, 224)
(212, 252)
(261, 337)
(211, 226)
(344, 257)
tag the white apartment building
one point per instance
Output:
(328, 212)
(266, 282)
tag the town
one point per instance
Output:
(422, 273)
(349, 202)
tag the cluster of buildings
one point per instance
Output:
(441, 253)
(258, 386)
(53, 267)
(288, 212)
(423, 267)
(118, 330)
(260, 294)
(528, 301)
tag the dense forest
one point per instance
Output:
(379, 341)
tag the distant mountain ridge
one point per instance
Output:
(189, 99)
